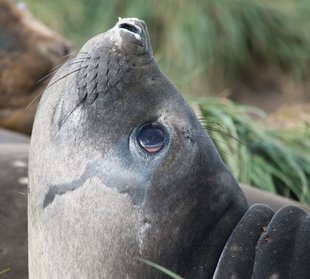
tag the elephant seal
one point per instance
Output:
(29, 51)
(121, 169)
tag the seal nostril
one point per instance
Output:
(129, 27)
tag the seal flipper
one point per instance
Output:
(237, 258)
(283, 249)
(262, 246)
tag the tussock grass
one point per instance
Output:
(274, 160)
(233, 36)
(160, 268)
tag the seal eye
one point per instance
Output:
(151, 137)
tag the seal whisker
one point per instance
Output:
(224, 133)
(56, 68)
(34, 99)
(78, 55)
(69, 114)
(70, 63)
(81, 57)
(221, 130)
(206, 122)
(53, 71)
(223, 142)
(66, 75)
(68, 55)
(40, 94)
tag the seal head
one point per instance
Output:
(121, 168)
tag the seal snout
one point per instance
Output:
(130, 27)
(133, 32)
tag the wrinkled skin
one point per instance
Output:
(98, 200)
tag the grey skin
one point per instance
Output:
(99, 201)
(13, 203)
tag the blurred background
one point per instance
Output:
(242, 48)
(243, 64)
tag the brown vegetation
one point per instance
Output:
(28, 52)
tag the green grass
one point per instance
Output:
(161, 269)
(273, 160)
(231, 36)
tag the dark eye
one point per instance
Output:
(151, 137)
